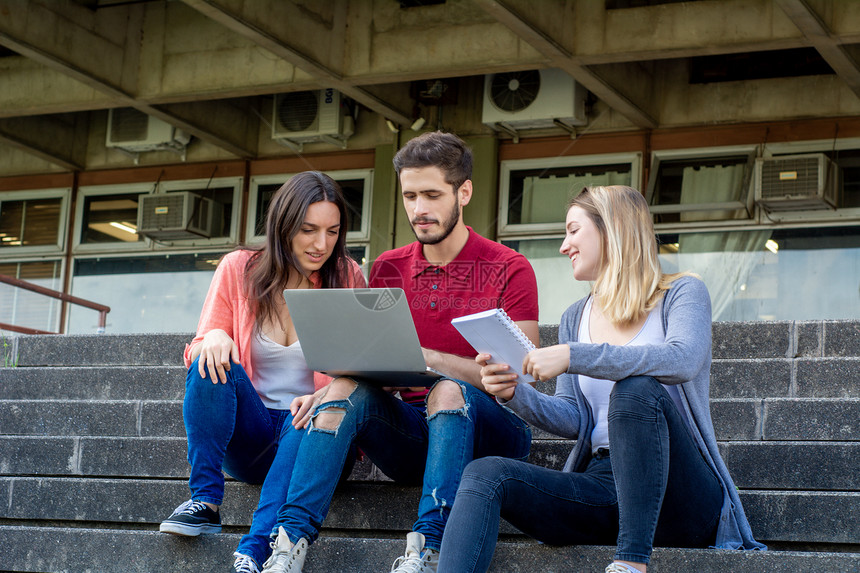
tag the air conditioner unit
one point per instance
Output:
(796, 182)
(532, 99)
(179, 215)
(301, 117)
(135, 132)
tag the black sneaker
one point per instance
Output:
(192, 518)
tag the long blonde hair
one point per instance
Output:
(630, 282)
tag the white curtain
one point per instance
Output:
(545, 198)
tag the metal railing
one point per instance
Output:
(103, 310)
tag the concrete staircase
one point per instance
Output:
(92, 458)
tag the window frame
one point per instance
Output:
(704, 153)
(54, 258)
(511, 230)
(825, 217)
(216, 252)
(57, 248)
(353, 238)
(102, 190)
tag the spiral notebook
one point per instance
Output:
(493, 332)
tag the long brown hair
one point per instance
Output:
(267, 271)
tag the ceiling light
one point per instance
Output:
(771, 246)
(127, 227)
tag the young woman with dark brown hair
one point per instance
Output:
(248, 388)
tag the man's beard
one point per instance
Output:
(447, 227)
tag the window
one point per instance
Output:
(772, 274)
(106, 218)
(356, 186)
(146, 293)
(532, 210)
(701, 185)
(535, 192)
(223, 193)
(32, 221)
(357, 190)
(25, 308)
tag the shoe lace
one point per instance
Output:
(616, 568)
(244, 564)
(413, 563)
(189, 507)
(281, 556)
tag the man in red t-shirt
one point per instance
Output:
(449, 271)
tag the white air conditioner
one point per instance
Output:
(179, 215)
(796, 182)
(135, 132)
(532, 99)
(302, 117)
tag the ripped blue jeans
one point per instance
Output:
(407, 446)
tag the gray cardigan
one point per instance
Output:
(684, 359)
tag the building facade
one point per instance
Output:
(738, 120)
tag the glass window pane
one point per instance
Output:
(541, 195)
(25, 308)
(145, 293)
(30, 222)
(785, 274)
(353, 191)
(682, 182)
(557, 289)
(265, 192)
(110, 218)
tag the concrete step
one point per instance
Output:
(807, 517)
(749, 340)
(800, 419)
(783, 377)
(788, 465)
(161, 418)
(47, 549)
(93, 383)
(827, 466)
(102, 349)
(786, 339)
(730, 378)
(823, 466)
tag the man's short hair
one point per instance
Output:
(437, 149)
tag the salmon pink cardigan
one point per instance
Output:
(227, 308)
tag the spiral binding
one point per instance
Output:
(515, 330)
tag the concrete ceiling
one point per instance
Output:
(202, 65)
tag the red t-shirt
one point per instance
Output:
(484, 275)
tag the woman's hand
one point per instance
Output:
(302, 408)
(546, 363)
(498, 379)
(215, 352)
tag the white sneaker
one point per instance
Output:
(620, 568)
(286, 557)
(244, 564)
(417, 559)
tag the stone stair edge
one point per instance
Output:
(110, 550)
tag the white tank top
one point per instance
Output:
(597, 391)
(280, 372)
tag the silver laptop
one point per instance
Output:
(362, 333)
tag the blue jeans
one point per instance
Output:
(663, 491)
(230, 429)
(407, 446)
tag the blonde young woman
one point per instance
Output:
(633, 373)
